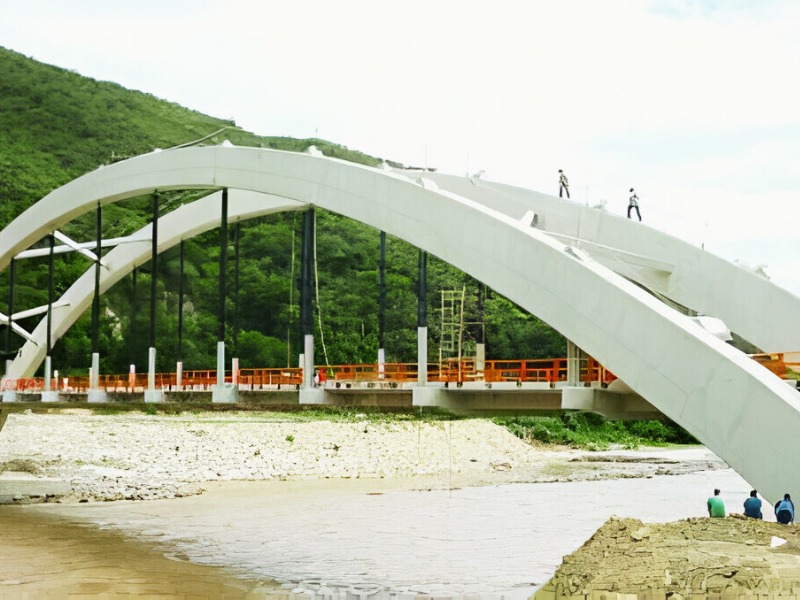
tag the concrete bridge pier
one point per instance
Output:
(151, 394)
(422, 355)
(309, 393)
(95, 393)
(49, 395)
(223, 393)
(8, 395)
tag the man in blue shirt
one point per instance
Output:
(784, 510)
(752, 506)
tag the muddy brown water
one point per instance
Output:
(48, 556)
(335, 539)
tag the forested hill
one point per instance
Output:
(56, 125)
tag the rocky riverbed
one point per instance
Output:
(135, 456)
(732, 557)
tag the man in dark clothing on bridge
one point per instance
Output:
(634, 203)
(563, 184)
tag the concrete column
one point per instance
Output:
(308, 362)
(48, 370)
(151, 394)
(381, 362)
(422, 355)
(179, 371)
(223, 393)
(8, 395)
(220, 364)
(49, 395)
(235, 371)
(151, 369)
(574, 357)
(422, 319)
(95, 393)
(480, 359)
(94, 381)
(132, 379)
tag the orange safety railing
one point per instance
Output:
(398, 372)
(259, 378)
(549, 371)
(524, 370)
(780, 363)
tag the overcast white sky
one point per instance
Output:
(695, 103)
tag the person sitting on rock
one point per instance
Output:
(716, 507)
(784, 510)
(752, 506)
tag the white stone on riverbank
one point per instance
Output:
(135, 456)
(141, 457)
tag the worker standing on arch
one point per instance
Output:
(563, 184)
(634, 203)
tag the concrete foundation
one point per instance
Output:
(51, 397)
(98, 396)
(225, 394)
(313, 395)
(153, 396)
(10, 396)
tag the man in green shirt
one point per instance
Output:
(716, 507)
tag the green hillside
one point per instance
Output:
(56, 125)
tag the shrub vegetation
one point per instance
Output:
(592, 431)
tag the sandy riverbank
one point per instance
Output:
(136, 456)
(731, 557)
(49, 557)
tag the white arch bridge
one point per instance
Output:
(581, 270)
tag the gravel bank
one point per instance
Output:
(136, 456)
(734, 557)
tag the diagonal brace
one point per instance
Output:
(17, 329)
(78, 247)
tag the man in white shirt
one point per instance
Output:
(563, 184)
(634, 203)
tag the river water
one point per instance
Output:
(331, 537)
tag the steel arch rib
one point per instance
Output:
(183, 223)
(732, 404)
